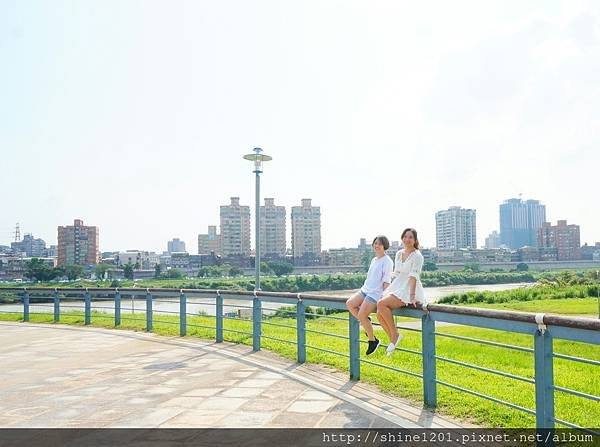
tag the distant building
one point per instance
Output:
(143, 260)
(455, 228)
(306, 233)
(562, 237)
(493, 240)
(175, 245)
(78, 244)
(32, 247)
(272, 230)
(235, 229)
(520, 221)
(210, 242)
(590, 252)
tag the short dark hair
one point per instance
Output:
(383, 241)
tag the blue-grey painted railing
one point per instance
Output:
(543, 327)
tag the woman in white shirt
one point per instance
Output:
(405, 289)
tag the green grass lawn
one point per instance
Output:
(564, 306)
(577, 376)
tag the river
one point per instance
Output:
(203, 305)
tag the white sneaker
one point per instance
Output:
(392, 346)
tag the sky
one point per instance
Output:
(134, 115)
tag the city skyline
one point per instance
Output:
(289, 241)
(146, 130)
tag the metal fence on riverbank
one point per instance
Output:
(543, 328)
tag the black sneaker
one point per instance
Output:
(373, 345)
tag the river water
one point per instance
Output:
(206, 306)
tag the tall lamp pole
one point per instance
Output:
(258, 158)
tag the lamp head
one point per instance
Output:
(258, 158)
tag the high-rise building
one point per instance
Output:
(210, 242)
(272, 229)
(562, 237)
(235, 229)
(31, 246)
(520, 221)
(455, 228)
(175, 246)
(306, 230)
(493, 240)
(78, 244)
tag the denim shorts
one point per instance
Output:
(368, 297)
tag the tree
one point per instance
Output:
(522, 267)
(128, 271)
(173, 274)
(281, 267)
(38, 270)
(157, 270)
(73, 271)
(264, 268)
(235, 271)
(473, 267)
(429, 266)
(366, 260)
(101, 270)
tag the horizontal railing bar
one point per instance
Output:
(328, 334)
(237, 319)
(165, 311)
(481, 368)
(485, 342)
(326, 316)
(434, 309)
(199, 325)
(326, 350)
(165, 322)
(577, 393)
(236, 331)
(133, 319)
(569, 424)
(278, 324)
(576, 359)
(398, 348)
(392, 368)
(278, 339)
(276, 310)
(484, 396)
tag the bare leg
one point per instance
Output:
(366, 308)
(353, 304)
(385, 316)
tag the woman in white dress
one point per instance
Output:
(405, 289)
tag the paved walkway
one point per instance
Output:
(67, 376)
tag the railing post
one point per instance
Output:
(26, 306)
(301, 330)
(256, 323)
(544, 380)
(429, 364)
(117, 307)
(88, 307)
(182, 314)
(354, 337)
(219, 318)
(148, 311)
(56, 306)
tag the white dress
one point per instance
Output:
(400, 287)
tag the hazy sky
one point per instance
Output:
(134, 115)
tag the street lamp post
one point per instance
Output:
(258, 158)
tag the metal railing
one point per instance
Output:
(543, 328)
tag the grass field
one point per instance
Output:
(573, 375)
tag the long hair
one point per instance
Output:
(414, 233)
